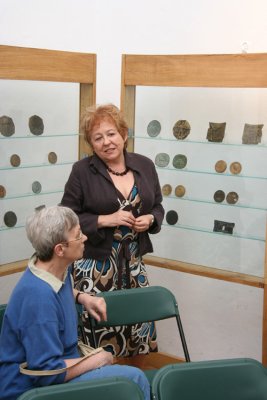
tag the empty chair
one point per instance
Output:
(101, 389)
(235, 379)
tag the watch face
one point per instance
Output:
(162, 159)
(36, 125)
(181, 129)
(171, 217)
(180, 191)
(166, 190)
(179, 161)
(219, 196)
(235, 168)
(220, 166)
(153, 128)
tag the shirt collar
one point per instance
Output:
(52, 280)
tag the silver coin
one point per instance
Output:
(36, 187)
(10, 219)
(52, 157)
(179, 161)
(36, 125)
(162, 159)
(7, 127)
(181, 129)
(153, 128)
(252, 134)
(15, 160)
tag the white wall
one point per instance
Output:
(221, 320)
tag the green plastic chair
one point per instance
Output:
(132, 306)
(235, 379)
(116, 388)
(2, 312)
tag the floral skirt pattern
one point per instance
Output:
(93, 276)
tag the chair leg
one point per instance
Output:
(180, 327)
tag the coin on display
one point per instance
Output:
(2, 191)
(162, 159)
(52, 157)
(10, 219)
(219, 196)
(235, 168)
(171, 217)
(7, 127)
(166, 189)
(180, 191)
(179, 161)
(36, 187)
(232, 198)
(15, 160)
(36, 125)
(181, 129)
(220, 166)
(153, 128)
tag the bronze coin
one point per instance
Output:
(10, 219)
(7, 127)
(36, 125)
(235, 167)
(171, 217)
(52, 157)
(166, 190)
(36, 187)
(179, 191)
(219, 196)
(232, 198)
(181, 129)
(220, 166)
(2, 191)
(179, 161)
(153, 128)
(15, 160)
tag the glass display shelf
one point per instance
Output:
(19, 196)
(10, 168)
(43, 136)
(203, 230)
(215, 203)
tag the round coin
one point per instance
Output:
(171, 217)
(7, 127)
(2, 191)
(220, 166)
(232, 198)
(179, 161)
(179, 191)
(15, 160)
(166, 190)
(10, 219)
(181, 129)
(235, 167)
(36, 187)
(162, 159)
(153, 128)
(36, 125)
(52, 157)
(219, 196)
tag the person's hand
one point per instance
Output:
(118, 218)
(142, 223)
(96, 306)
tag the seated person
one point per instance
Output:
(40, 322)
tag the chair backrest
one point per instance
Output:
(116, 388)
(2, 312)
(131, 306)
(235, 379)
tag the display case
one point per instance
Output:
(202, 120)
(43, 93)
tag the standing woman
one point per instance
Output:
(117, 198)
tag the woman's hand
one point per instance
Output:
(143, 223)
(118, 218)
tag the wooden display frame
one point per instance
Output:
(29, 64)
(224, 70)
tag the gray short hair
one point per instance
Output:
(48, 227)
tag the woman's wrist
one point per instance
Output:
(152, 220)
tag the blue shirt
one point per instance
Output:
(40, 327)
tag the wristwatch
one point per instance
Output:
(152, 220)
